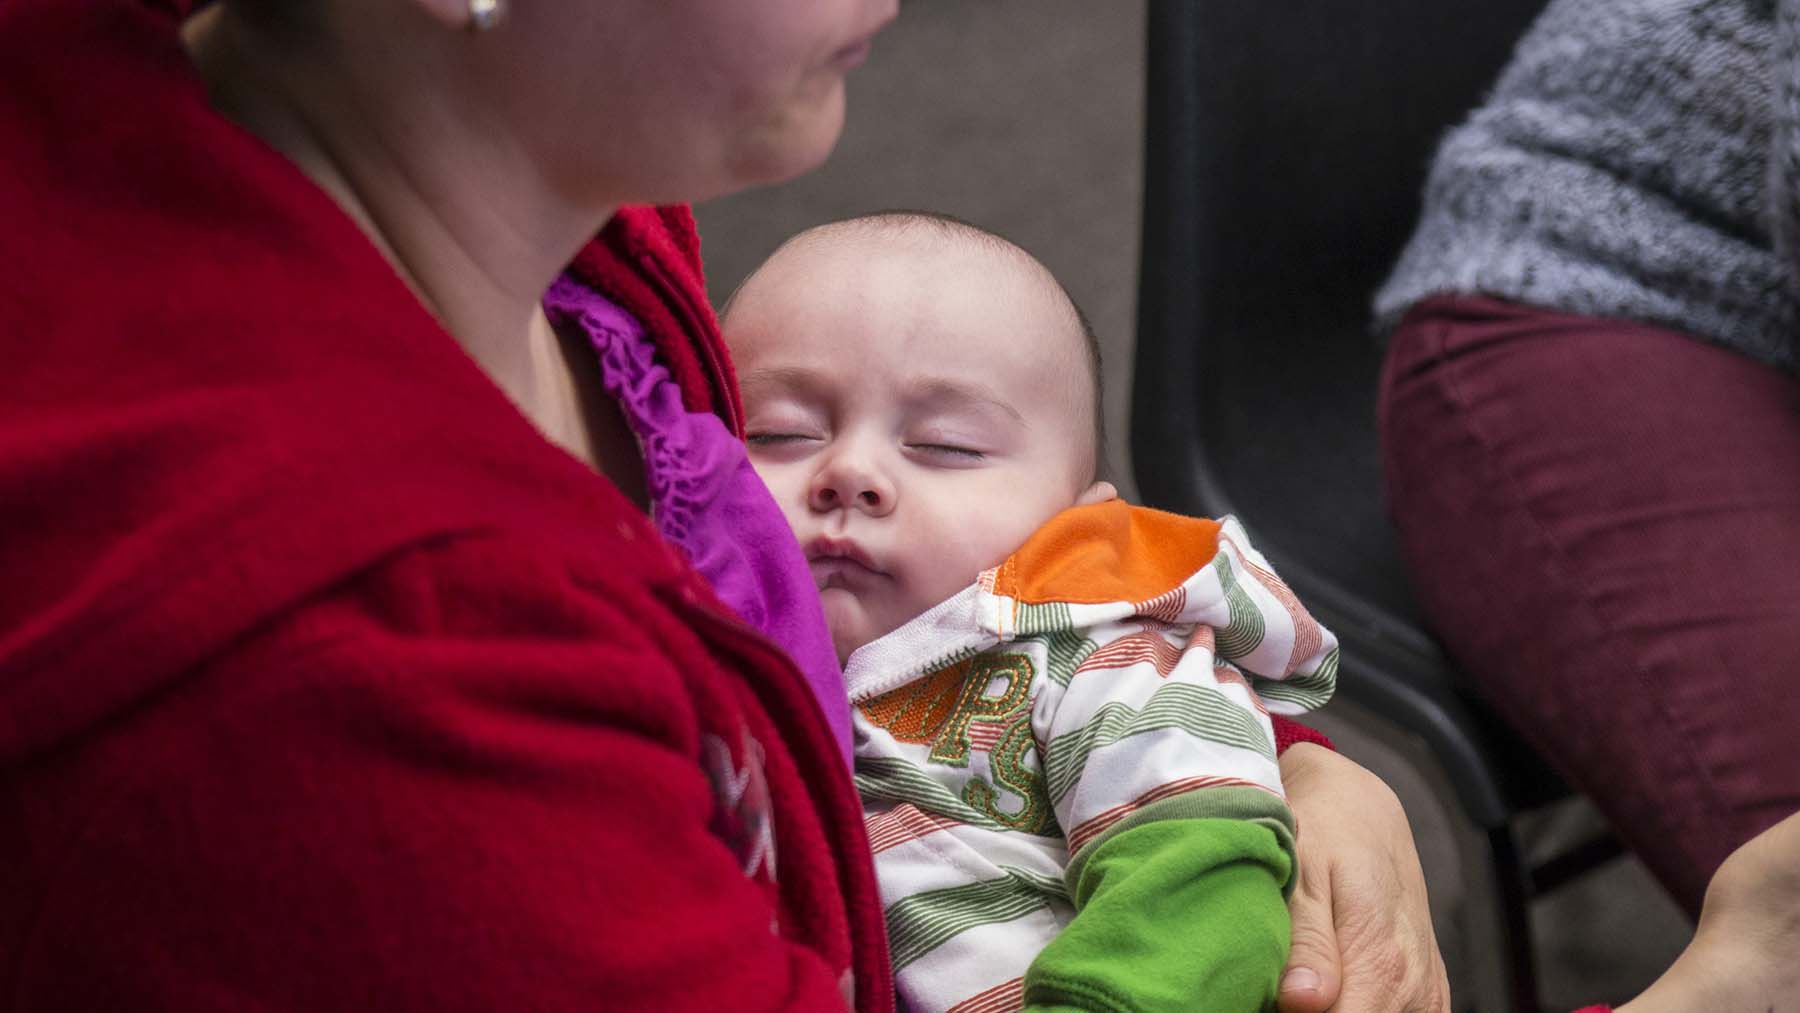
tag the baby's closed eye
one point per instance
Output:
(949, 451)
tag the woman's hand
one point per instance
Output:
(1362, 929)
(1741, 956)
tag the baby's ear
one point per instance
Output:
(1099, 492)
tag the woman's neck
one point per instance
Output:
(452, 208)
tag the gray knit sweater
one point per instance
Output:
(1637, 159)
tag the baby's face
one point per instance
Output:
(918, 407)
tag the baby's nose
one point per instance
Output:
(848, 487)
(828, 497)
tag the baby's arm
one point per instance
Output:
(1160, 763)
(1167, 790)
(1173, 914)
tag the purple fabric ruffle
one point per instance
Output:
(707, 500)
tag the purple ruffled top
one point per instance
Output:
(707, 500)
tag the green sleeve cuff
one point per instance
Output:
(1173, 914)
(1234, 803)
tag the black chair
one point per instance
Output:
(1286, 147)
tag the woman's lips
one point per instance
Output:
(852, 56)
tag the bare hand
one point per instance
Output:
(1362, 928)
(1741, 957)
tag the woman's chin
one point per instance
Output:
(793, 142)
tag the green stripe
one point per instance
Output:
(893, 779)
(921, 923)
(1245, 631)
(1226, 803)
(1047, 618)
(1200, 711)
(1308, 691)
(1065, 650)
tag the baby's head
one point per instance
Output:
(921, 396)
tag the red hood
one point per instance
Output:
(648, 261)
(198, 348)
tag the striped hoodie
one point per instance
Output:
(1088, 721)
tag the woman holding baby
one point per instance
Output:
(390, 606)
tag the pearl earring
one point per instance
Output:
(485, 14)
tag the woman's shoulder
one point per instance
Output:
(221, 400)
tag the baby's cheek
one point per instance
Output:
(786, 484)
(996, 535)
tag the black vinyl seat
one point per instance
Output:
(1286, 149)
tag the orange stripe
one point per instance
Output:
(985, 735)
(905, 822)
(1098, 824)
(1121, 654)
(1166, 607)
(1002, 998)
(1308, 636)
(1132, 649)
(1228, 674)
(1202, 639)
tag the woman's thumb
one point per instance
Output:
(1311, 979)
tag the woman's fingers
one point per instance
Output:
(1309, 984)
(1389, 953)
(1363, 941)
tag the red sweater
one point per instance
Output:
(325, 682)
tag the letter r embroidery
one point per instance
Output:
(976, 708)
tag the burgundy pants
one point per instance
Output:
(1602, 520)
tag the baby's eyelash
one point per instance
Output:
(950, 449)
(774, 439)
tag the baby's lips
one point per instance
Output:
(824, 548)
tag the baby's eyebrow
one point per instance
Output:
(780, 380)
(942, 392)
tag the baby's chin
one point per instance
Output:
(851, 625)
